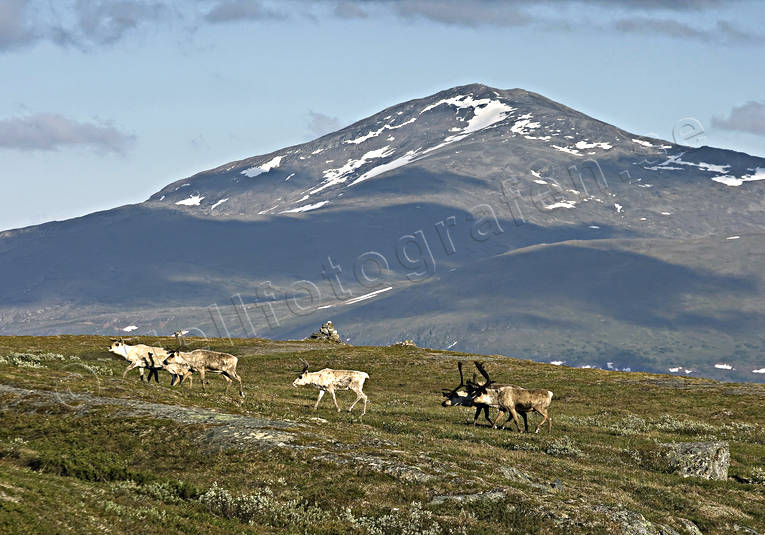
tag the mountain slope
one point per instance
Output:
(428, 220)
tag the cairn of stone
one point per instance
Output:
(328, 333)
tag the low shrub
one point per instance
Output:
(414, 521)
(630, 425)
(262, 507)
(32, 360)
(563, 446)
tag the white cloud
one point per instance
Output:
(749, 117)
(51, 131)
(320, 124)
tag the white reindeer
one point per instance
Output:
(142, 357)
(328, 380)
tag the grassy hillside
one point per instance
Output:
(84, 451)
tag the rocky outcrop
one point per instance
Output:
(405, 343)
(706, 460)
(328, 333)
(399, 470)
(626, 522)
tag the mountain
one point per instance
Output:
(479, 219)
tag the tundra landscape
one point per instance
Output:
(83, 450)
(382, 267)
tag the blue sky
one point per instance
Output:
(104, 102)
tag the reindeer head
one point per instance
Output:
(118, 347)
(173, 357)
(454, 397)
(479, 393)
(302, 378)
(174, 362)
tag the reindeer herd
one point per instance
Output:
(509, 399)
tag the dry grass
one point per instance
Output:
(130, 471)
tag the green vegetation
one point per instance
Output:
(83, 450)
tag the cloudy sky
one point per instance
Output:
(103, 102)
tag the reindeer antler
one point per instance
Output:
(483, 371)
(305, 366)
(448, 393)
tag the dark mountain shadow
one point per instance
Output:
(140, 256)
(523, 288)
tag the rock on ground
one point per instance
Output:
(706, 460)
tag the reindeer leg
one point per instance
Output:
(155, 372)
(525, 422)
(505, 422)
(358, 397)
(477, 413)
(515, 418)
(187, 375)
(228, 381)
(321, 395)
(494, 425)
(486, 413)
(236, 376)
(334, 399)
(130, 367)
(545, 418)
(202, 376)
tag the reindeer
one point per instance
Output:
(203, 361)
(328, 380)
(180, 338)
(142, 357)
(513, 399)
(456, 398)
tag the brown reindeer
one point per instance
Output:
(203, 361)
(458, 398)
(513, 399)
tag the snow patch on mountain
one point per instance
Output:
(567, 150)
(375, 133)
(601, 145)
(723, 176)
(644, 143)
(393, 164)
(493, 112)
(339, 175)
(367, 296)
(263, 212)
(756, 174)
(263, 168)
(524, 125)
(561, 204)
(214, 206)
(305, 208)
(486, 111)
(194, 200)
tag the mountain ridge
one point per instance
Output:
(441, 194)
